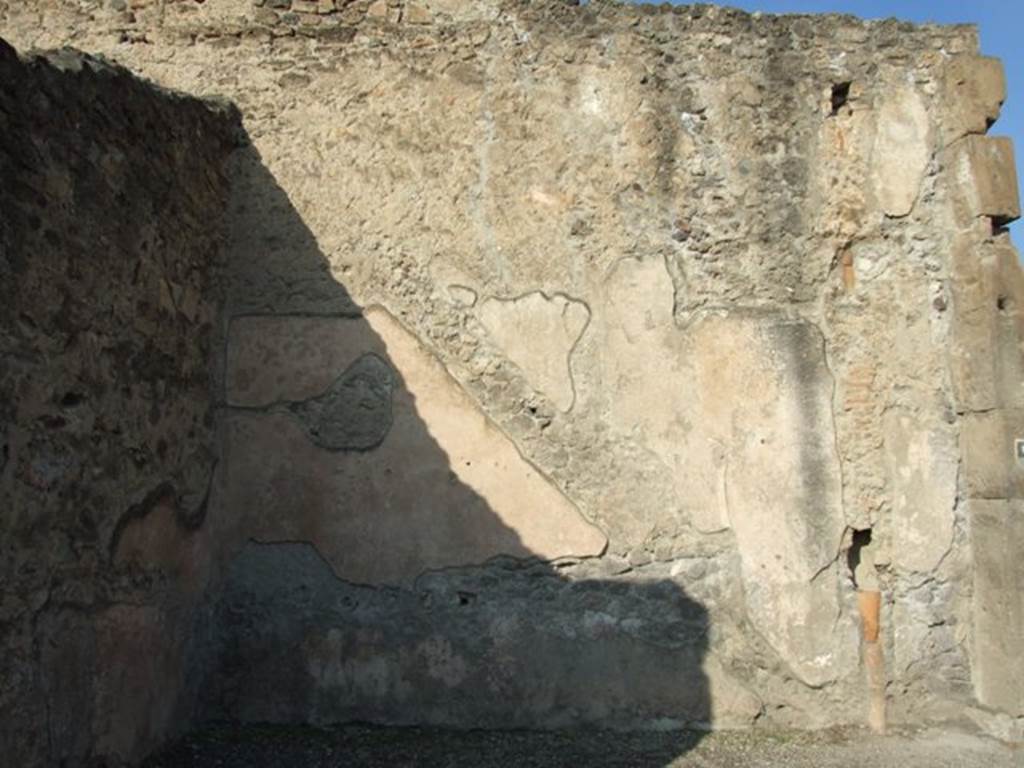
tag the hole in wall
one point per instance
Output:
(1002, 304)
(1000, 225)
(840, 96)
(857, 557)
(71, 399)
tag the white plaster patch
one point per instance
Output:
(538, 334)
(738, 409)
(923, 460)
(900, 155)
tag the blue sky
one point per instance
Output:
(1000, 24)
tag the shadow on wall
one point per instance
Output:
(385, 553)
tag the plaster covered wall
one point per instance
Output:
(563, 350)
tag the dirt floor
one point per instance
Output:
(342, 747)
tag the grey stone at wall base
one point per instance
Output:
(504, 646)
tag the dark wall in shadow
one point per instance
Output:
(499, 640)
(110, 192)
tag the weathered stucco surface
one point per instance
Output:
(541, 365)
(436, 485)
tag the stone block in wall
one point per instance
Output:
(974, 90)
(997, 540)
(1009, 308)
(987, 173)
(987, 284)
(990, 466)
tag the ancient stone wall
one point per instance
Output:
(110, 233)
(581, 365)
